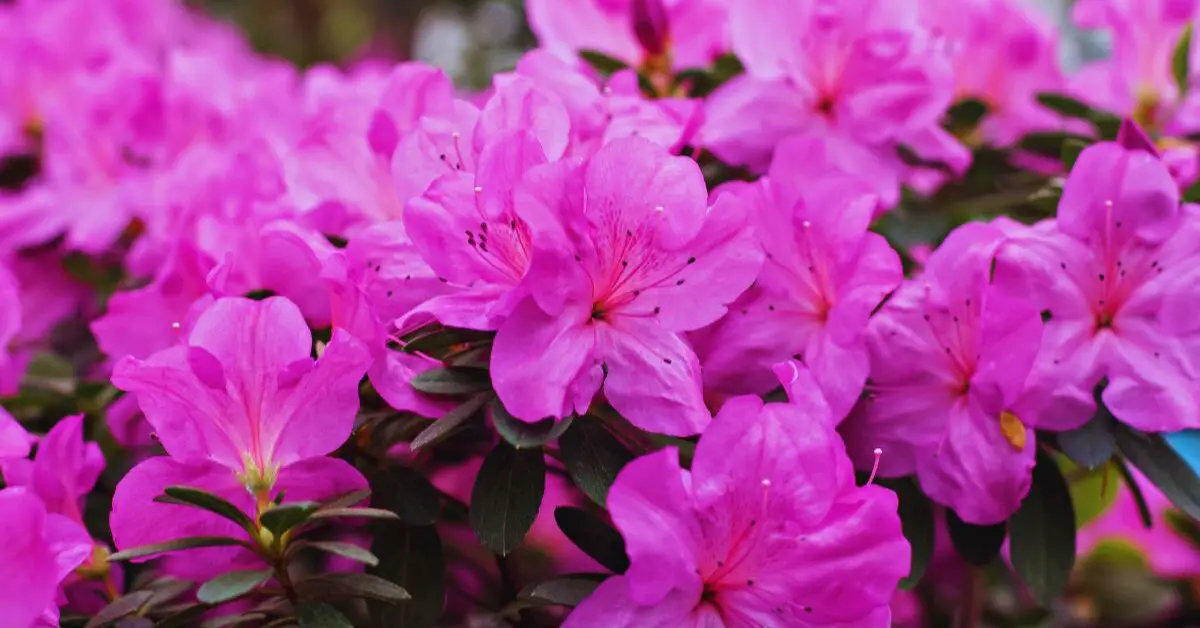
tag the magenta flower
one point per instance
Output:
(682, 33)
(1116, 275)
(767, 529)
(62, 472)
(950, 356)
(10, 326)
(862, 72)
(40, 550)
(242, 391)
(14, 440)
(824, 274)
(628, 255)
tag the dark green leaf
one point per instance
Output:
(1160, 463)
(1049, 144)
(1181, 60)
(1042, 533)
(453, 380)
(1135, 490)
(966, 113)
(182, 495)
(1070, 152)
(185, 618)
(595, 537)
(329, 587)
(408, 494)
(411, 557)
(977, 545)
(506, 497)
(175, 545)
(523, 435)
(916, 520)
(1066, 106)
(280, 519)
(347, 500)
(440, 429)
(564, 591)
(229, 621)
(1092, 444)
(232, 585)
(602, 63)
(355, 513)
(166, 590)
(345, 550)
(321, 616)
(726, 67)
(593, 457)
(259, 295)
(120, 607)
(134, 622)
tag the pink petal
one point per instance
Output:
(653, 378)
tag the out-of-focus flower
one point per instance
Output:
(40, 550)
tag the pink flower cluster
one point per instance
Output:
(626, 244)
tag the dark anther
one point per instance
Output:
(679, 283)
(691, 260)
(666, 360)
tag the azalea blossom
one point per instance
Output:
(627, 256)
(39, 551)
(769, 489)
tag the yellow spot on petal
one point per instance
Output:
(1013, 430)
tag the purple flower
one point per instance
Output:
(62, 472)
(628, 255)
(40, 549)
(950, 356)
(767, 529)
(1116, 276)
(824, 274)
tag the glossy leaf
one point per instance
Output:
(232, 585)
(175, 545)
(523, 435)
(183, 495)
(321, 616)
(408, 494)
(411, 557)
(1092, 444)
(977, 545)
(329, 587)
(442, 428)
(595, 537)
(456, 380)
(593, 457)
(345, 550)
(1042, 533)
(506, 497)
(1160, 463)
(280, 519)
(121, 607)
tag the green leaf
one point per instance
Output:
(345, 550)
(1042, 533)
(441, 429)
(174, 546)
(259, 295)
(1093, 491)
(593, 457)
(411, 557)
(1181, 60)
(321, 616)
(347, 500)
(523, 435)
(329, 587)
(1092, 444)
(564, 591)
(916, 521)
(123, 606)
(280, 519)
(185, 618)
(1066, 106)
(354, 513)
(595, 537)
(977, 545)
(506, 497)
(1071, 150)
(1135, 490)
(408, 494)
(1183, 525)
(453, 380)
(1049, 144)
(1160, 463)
(185, 496)
(966, 113)
(235, 620)
(232, 585)
(602, 63)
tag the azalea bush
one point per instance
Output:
(710, 313)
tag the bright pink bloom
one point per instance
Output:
(1116, 275)
(14, 440)
(10, 326)
(628, 255)
(62, 472)
(1004, 53)
(824, 274)
(859, 72)
(767, 529)
(688, 33)
(40, 549)
(950, 356)
(243, 392)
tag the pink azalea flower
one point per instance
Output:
(823, 276)
(242, 391)
(40, 550)
(950, 356)
(863, 73)
(62, 472)
(687, 33)
(1004, 53)
(14, 440)
(767, 529)
(10, 326)
(1116, 274)
(628, 255)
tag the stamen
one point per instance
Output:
(176, 326)
(875, 468)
